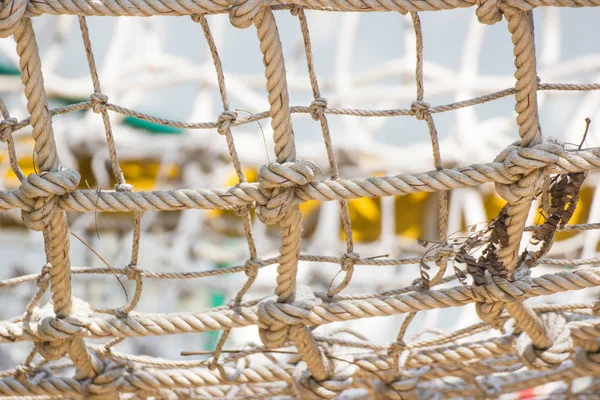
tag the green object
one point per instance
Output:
(67, 101)
(8, 69)
(151, 127)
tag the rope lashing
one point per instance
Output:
(7, 127)
(242, 12)
(276, 319)
(488, 11)
(277, 182)
(42, 191)
(225, 121)
(99, 102)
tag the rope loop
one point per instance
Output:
(242, 12)
(11, 14)
(225, 121)
(420, 109)
(488, 11)
(341, 378)
(42, 192)
(276, 319)
(99, 101)
(560, 350)
(7, 127)
(317, 108)
(277, 183)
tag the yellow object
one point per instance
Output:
(142, 174)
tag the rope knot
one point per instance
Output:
(99, 101)
(310, 388)
(551, 357)
(526, 166)
(252, 267)
(396, 348)
(44, 275)
(318, 107)
(276, 319)
(445, 252)
(106, 384)
(242, 12)
(57, 333)
(488, 11)
(11, 13)
(277, 183)
(420, 109)
(349, 259)
(405, 388)
(133, 271)
(7, 127)
(503, 290)
(295, 10)
(491, 313)
(42, 191)
(225, 121)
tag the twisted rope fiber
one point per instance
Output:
(179, 7)
(244, 194)
(326, 310)
(564, 339)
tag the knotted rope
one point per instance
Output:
(42, 191)
(277, 182)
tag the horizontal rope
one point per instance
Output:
(330, 310)
(180, 7)
(246, 194)
(357, 112)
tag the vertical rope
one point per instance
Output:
(318, 106)
(101, 99)
(423, 113)
(56, 233)
(520, 25)
(285, 150)
(225, 129)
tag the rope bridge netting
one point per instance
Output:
(492, 267)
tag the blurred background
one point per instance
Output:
(162, 66)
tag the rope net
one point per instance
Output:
(516, 345)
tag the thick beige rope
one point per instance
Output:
(180, 7)
(325, 310)
(505, 172)
(550, 334)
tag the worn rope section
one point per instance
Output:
(41, 191)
